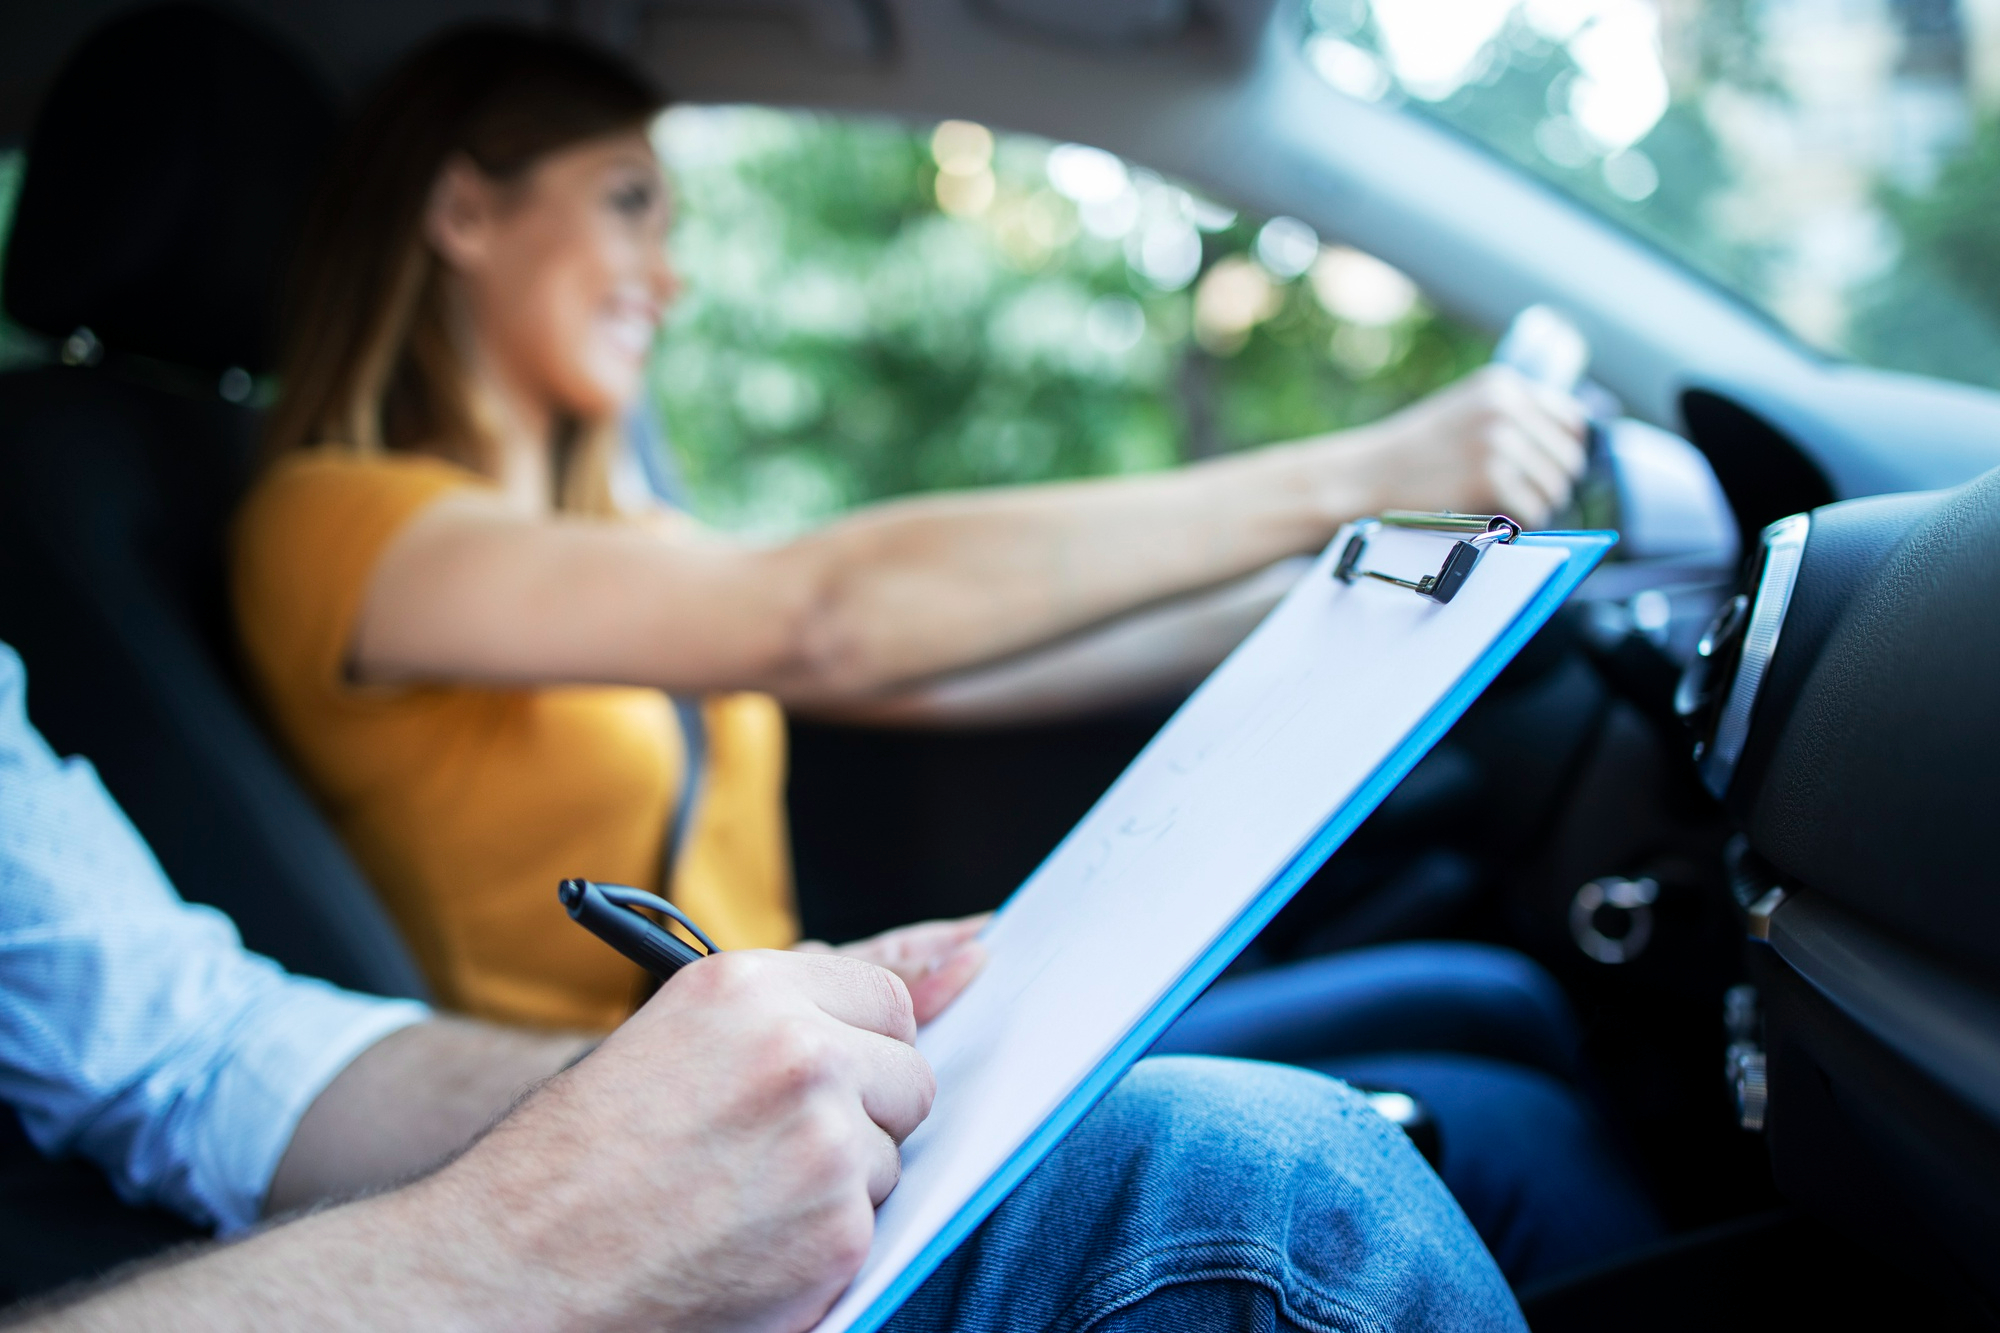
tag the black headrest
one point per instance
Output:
(1882, 786)
(167, 172)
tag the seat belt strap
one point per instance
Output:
(694, 747)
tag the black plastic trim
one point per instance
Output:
(1945, 1026)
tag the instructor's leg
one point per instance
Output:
(1208, 1193)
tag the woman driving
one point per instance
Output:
(470, 642)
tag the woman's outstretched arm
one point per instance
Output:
(903, 592)
(1150, 656)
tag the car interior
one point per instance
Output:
(1729, 797)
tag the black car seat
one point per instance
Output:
(165, 174)
(1864, 682)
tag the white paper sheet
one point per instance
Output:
(1221, 801)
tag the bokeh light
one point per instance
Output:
(1360, 289)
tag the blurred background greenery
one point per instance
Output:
(16, 345)
(1834, 163)
(875, 309)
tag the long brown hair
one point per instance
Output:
(369, 359)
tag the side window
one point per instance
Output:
(874, 310)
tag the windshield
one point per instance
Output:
(1835, 162)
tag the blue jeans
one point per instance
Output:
(1485, 1037)
(1441, 995)
(1525, 1158)
(1220, 1194)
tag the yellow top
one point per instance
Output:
(467, 804)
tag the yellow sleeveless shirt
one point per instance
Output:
(467, 804)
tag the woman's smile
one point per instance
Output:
(628, 320)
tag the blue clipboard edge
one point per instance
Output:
(1586, 549)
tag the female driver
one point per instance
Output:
(469, 642)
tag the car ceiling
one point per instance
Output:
(1216, 92)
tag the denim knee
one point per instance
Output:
(1246, 1179)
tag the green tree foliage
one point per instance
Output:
(16, 346)
(1937, 311)
(1526, 78)
(844, 339)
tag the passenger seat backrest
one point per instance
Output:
(165, 176)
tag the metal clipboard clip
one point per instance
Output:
(1487, 529)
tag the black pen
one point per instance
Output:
(610, 912)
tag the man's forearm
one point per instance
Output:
(406, 1260)
(716, 1163)
(407, 1103)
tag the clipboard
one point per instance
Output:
(1401, 623)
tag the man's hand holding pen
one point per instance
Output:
(715, 1163)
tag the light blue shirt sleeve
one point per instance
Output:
(135, 1028)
